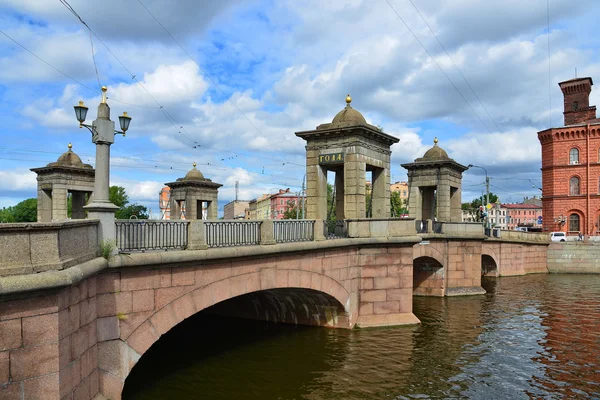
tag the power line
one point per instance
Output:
(440, 68)
(65, 74)
(455, 66)
(133, 76)
(48, 64)
(206, 74)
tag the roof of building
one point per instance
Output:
(515, 206)
(434, 153)
(194, 175)
(348, 116)
(69, 159)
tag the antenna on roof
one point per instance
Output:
(237, 190)
(575, 72)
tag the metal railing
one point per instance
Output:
(232, 233)
(335, 229)
(142, 235)
(293, 230)
(421, 225)
(437, 226)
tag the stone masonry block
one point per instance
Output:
(34, 361)
(40, 329)
(10, 334)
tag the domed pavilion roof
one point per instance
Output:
(193, 175)
(435, 153)
(69, 159)
(349, 116)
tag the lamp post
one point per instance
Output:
(103, 135)
(487, 188)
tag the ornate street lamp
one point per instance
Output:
(103, 135)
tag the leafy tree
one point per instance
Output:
(398, 205)
(118, 197)
(6, 215)
(474, 205)
(293, 210)
(25, 211)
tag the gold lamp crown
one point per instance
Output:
(70, 146)
(194, 164)
(435, 140)
(348, 99)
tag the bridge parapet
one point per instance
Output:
(27, 248)
(521, 237)
(385, 227)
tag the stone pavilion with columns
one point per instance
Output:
(434, 182)
(350, 147)
(55, 181)
(188, 194)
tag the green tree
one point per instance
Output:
(473, 207)
(25, 211)
(118, 197)
(398, 205)
(293, 210)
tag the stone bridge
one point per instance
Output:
(76, 329)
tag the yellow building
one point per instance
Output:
(400, 187)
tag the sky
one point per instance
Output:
(227, 83)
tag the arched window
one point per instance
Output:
(574, 156)
(575, 106)
(574, 186)
(574, 223)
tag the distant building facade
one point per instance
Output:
(235, 209)
(526, 215)
(571, 164)
(400, 187)
(164, 196)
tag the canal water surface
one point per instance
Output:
(534, 336)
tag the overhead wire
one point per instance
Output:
(169, 117)
(207, 75)
(439, 67)
(455, 66)
(133, 76)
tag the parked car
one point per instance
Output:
(558, 236)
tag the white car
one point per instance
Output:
(558, 236)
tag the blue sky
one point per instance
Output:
(251, 73)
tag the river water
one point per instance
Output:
(534, 336)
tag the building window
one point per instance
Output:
(574, 186)
(573, 223)
(574, 156)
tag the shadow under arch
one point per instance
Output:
(428, 277)
(284, 290)
(489, 268)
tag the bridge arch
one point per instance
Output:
(431, 251)
(134, 345)
(490, 261)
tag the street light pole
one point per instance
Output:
(487, 190)
(103, 135)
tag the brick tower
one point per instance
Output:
(571, 165)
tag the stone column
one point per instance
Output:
(101, 208)
(380, 197)
(339, 195)
(415, 207)
(354, 187)
(316, 191)
(59, 203)
(443, 202)
(44, 208)
(212, 208)
(455, 205)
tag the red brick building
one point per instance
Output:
(571, 164)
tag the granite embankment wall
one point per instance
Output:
(574, 258)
